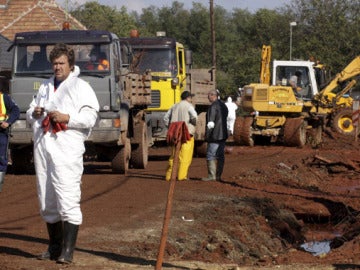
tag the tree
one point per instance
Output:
(96, 16)
(327, 30)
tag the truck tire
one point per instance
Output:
(120, 163)
(342, 122)
(22, 160)
(242, 131)
(140, 150)
(314, 137)
(237, 129)
(200, 148)
(295, 132)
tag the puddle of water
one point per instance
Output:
(317, 248)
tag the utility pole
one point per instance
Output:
(212, 29)
(292, 24)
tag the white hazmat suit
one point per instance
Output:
(232, 107)
(58, 157)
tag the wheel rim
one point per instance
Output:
(345, 124)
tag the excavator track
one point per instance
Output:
(242, 131)
(295, 132)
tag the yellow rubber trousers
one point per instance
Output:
(185, 159)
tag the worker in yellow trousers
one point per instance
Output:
(185, 159)
(182, 111)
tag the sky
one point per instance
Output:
(138, 5)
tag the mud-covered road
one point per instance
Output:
(272, 200)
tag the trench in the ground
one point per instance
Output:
(321, 231)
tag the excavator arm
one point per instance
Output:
(265, 64)
(351, 70)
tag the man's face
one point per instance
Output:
(61, 68)
(212, 97)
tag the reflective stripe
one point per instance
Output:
(3, 115)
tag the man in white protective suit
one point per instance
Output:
(232, 107)
(62, 115)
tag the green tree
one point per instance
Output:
(328, 30)
(198, 37)
(148, 22)
(96, 16)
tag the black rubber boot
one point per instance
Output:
(55, 231)
(70, 235)
(219, 169)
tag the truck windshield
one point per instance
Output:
(161, 62)
(35, 58)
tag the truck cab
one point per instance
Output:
(164, 57)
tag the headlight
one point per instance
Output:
(174, 82)
(105, 123)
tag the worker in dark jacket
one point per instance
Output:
(215, 134)
(9, 113)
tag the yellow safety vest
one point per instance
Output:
(3, 115)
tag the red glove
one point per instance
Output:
(56, 127)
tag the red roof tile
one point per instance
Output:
(33, 15)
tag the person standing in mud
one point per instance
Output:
(62, 115)
(182, 111)
(9, 113)
(216, 134)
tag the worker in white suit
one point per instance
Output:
(232, 107)
(62, 115)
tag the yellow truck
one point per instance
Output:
(170, 66)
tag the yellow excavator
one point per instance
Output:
(278, 112)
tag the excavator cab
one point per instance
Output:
(307, 85)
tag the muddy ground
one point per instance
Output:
(272, 200)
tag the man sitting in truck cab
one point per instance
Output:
(97, 61)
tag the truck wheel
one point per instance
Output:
(242, 131)
(342, 122)
(120, 163)
(140, 151)
(22, 161)
(200, 148)
(295, 132)
(237, 129)
(315, 136)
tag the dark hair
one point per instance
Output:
(298, 73)
(62, 49)
(186, 94)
